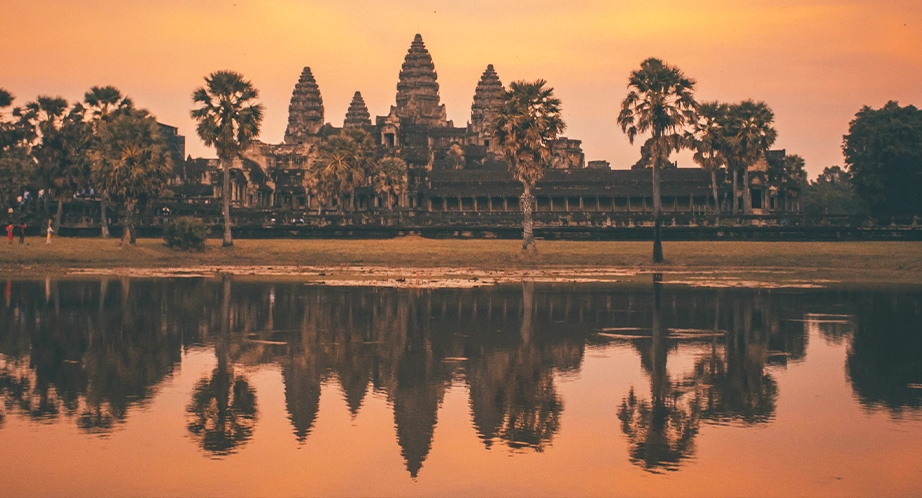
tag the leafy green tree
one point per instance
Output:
(132, 163)
(710, 141)
(228, 119)
(390, 179)
(751, 136)
(832, 193)
(102, 104)
(340, 168)
(62, 152)
(883, 153)
(661, 102)
(526, 123)
(16, 163)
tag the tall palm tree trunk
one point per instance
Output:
(747, 193)
(736, 192)
(57, 217)
(526, 201)
(103, 216)
(714, 190)
(225, 208)
(128, 234)
(657, 210)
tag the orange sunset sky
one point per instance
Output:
(815, 62)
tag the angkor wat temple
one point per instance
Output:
(454, 171)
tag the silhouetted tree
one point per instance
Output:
(228, 119)
(524, 126)
(660, 102)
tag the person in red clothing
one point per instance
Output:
(9, 233)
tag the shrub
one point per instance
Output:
(185, 233)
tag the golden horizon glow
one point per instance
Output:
(816, 62)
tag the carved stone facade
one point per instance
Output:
(459, 169)
(305, 114)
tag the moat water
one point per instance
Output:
(234, 387)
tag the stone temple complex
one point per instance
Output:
(453, 170)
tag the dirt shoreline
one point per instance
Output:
(413, 261)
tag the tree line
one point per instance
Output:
(107, 145)
(103, 147)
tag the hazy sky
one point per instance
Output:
(815, 62)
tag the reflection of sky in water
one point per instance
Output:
(313, 390)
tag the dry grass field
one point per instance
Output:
(877, 262)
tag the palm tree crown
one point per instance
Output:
(660, 101)
(753, 133)
(6, 98)
(228, 119)
(526, 123)
(106, 100)
(710, 135)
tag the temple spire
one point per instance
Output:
(305, 113)
(488, 97)
(417, 88)
(357, 115)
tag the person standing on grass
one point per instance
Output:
(22, 232)
(49, 232)
(9, 233)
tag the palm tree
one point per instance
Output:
(229, 120)
(62, 150)
(525, 125)
(103, 103)
(710, 141)
(132, 163)
(342, 165)
(16, 162)
(660, 101)
(751, 135)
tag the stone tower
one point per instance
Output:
(487, 98)
(417, 89)
(357, 116)
(305, 113)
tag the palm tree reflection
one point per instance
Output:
(660, 432)
(222, 413)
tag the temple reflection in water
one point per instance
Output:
(90, 352)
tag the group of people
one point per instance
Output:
(22, 232)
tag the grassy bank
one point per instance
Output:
(884, 262)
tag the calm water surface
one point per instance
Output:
(231, 387)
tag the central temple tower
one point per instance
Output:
(418, 90)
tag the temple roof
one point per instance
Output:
(305, 113)
(357, 115)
